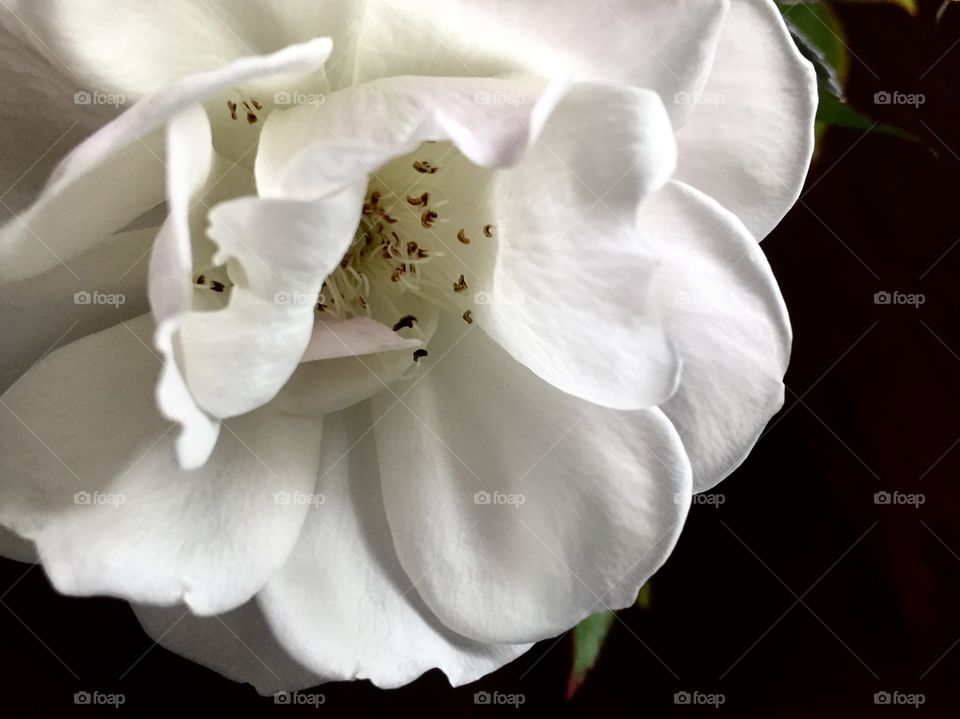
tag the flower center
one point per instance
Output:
(408, 243)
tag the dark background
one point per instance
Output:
(799, 593)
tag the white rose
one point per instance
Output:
(473, 288)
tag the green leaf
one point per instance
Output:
(819, 36)
(588, 638)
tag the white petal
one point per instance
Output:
(725, 314)
(308, 150)
(663, 46)
(279, 252)
(238, 644)
(58, 306)
(117, 174)
(82, 420)
(189, 158)
(342, 605)
(570, 289)
(140, 46)
(749, 142)
(322, 386)
(40, 121)
(357, 336)
(598, 495)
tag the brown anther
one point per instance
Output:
(251, 118)
(374, 198)
(389, 220)
(345, 262)
(468, 317)
(462, 236)
(412, 248)
(425, 168)
(397, 274)
(363, 302)
(404, 323)
(232, 106)
(417, 354)
(428, 218)
(386, 253)
(421, 201)
(460, 285)
(216, 286)
(488, 230)
(201, 280)
(320, 307)
(421, 253)
(247, 105)
(257, 105)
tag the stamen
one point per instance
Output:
(462, 236)
(404, 323)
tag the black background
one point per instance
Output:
(799, 593)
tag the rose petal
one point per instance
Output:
(520, 509)
(725, 314)
(140, 46)
(665, 47)
(749, 142)
(81, 421)
(371, 624)
(238, 644)
(348, 338)
(569, 295)
(117, 174)
(40, 121)
(58, 306)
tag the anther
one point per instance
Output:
(424, 167)
(488, 230)
(404, 323)
(428, 218)
(232, 106)
(417, 354)
(460, 285)
(462, 236)
(468, 317)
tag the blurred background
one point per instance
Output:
(825, 573)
